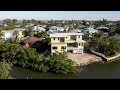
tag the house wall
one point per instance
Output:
(79, 37)
(9, 35)
(20, 34)
(56, 28)
(68, 39)
(56, 40)
(81, 45)
(58, 44)
(59, 49)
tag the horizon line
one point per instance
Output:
(63, 19)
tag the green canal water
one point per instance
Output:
(92, 71)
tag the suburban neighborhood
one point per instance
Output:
(62, 38)
(59, 46)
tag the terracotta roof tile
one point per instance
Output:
(32, 39)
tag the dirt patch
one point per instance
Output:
(84, 59)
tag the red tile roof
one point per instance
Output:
(32, 39)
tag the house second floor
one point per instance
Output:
(66, 37)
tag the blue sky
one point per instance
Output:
(64, 15)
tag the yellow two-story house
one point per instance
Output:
(67, 42)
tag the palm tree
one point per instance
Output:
(1, 34)
(30, 32)
(16, 33)
(42, 34)
(25, 33)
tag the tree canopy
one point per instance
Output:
(29, 58)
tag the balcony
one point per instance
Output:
(70, 41)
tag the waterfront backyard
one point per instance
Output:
(84, 59)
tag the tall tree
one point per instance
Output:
(7, 21)
(42, 34)
(14, 21)
(16, 34)
(25, 33)
(84, 22)
(30, 32)
(1, 34)
(24, 23)
(104, 21)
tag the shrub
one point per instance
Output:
(5, 70)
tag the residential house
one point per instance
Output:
(37, 29)
(99, 28)
(89, 31)
(110, 24)
(20, 32)
(104, 29)
(8, 34)
(30, 41)
(82, 27)
(43, 26)
(55, 29)
(75, 31)
(29, 25)
(67, 42)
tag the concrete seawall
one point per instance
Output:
(113, 58)
(84, 59)
(105, 58)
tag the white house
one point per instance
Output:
(89, 31)
(102, 28)
(29, 25)
(55, 28)
(8, 34)
(37, 29)
(44, 26)
(76, 31)
(82, 27)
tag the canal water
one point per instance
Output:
(93, 71)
